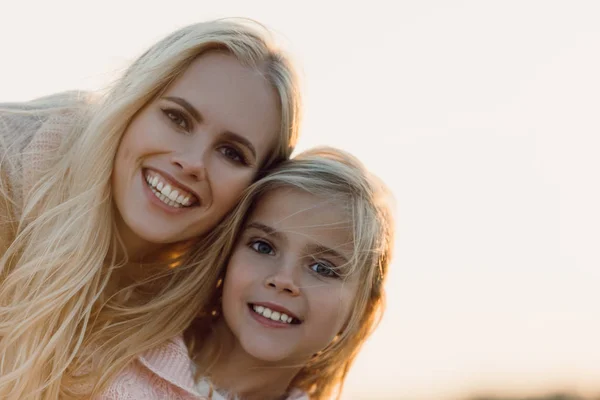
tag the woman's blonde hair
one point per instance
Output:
(340, 178)
(67, 301)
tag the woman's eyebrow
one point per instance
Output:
(198, 117)
(188, 107)
(241, 140)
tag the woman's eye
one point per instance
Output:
(177, 118)
(324, 270)
(233, 154)
(262, 247)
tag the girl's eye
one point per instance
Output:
(233, 154)
(177, 118)
(324, 270)
(262, 247)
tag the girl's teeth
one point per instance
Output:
(154, 181)
(159, 186)
(166, 190)
(173, 195)
(272, 315)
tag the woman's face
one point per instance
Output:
(186, 157)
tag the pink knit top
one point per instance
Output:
(164, 372)
(160, 373)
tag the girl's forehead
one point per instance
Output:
(293, 211)
(292, 205)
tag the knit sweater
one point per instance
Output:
(165, 372)
(31, 135)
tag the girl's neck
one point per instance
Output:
(237, 372)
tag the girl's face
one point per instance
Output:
(186, 157)
(283, 297)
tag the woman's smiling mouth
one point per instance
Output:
(169, 192)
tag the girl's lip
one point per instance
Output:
(268, 322)
(278, 308)
(174, 182)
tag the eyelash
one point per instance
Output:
(254, 243)
(331, 270)
(182, 122)
(174, 115)
(239, 156)
(331, 273)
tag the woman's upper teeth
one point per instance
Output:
(176, 195)
(273, 315)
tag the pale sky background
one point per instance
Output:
(482, 116)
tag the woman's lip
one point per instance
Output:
(174, 182)
(278, 308)
(156, 201)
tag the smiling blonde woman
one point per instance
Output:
(100, 196)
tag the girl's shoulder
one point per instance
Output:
(297, 394)
(163, 372)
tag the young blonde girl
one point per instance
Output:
(304, 259)
(102, 197)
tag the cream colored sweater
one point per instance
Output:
(31, 135)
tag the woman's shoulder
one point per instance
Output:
(53, 101)
(22, 123)
(39, 109)
(32, 132)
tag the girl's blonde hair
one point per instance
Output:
(66, 300)
(338, 177)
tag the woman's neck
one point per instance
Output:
(132, 247)
(237, 372)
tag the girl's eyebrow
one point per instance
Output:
(266, 229)
(318, 249)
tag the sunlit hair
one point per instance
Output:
(66, 298)
(340, 178)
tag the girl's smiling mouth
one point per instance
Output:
(273, 313)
